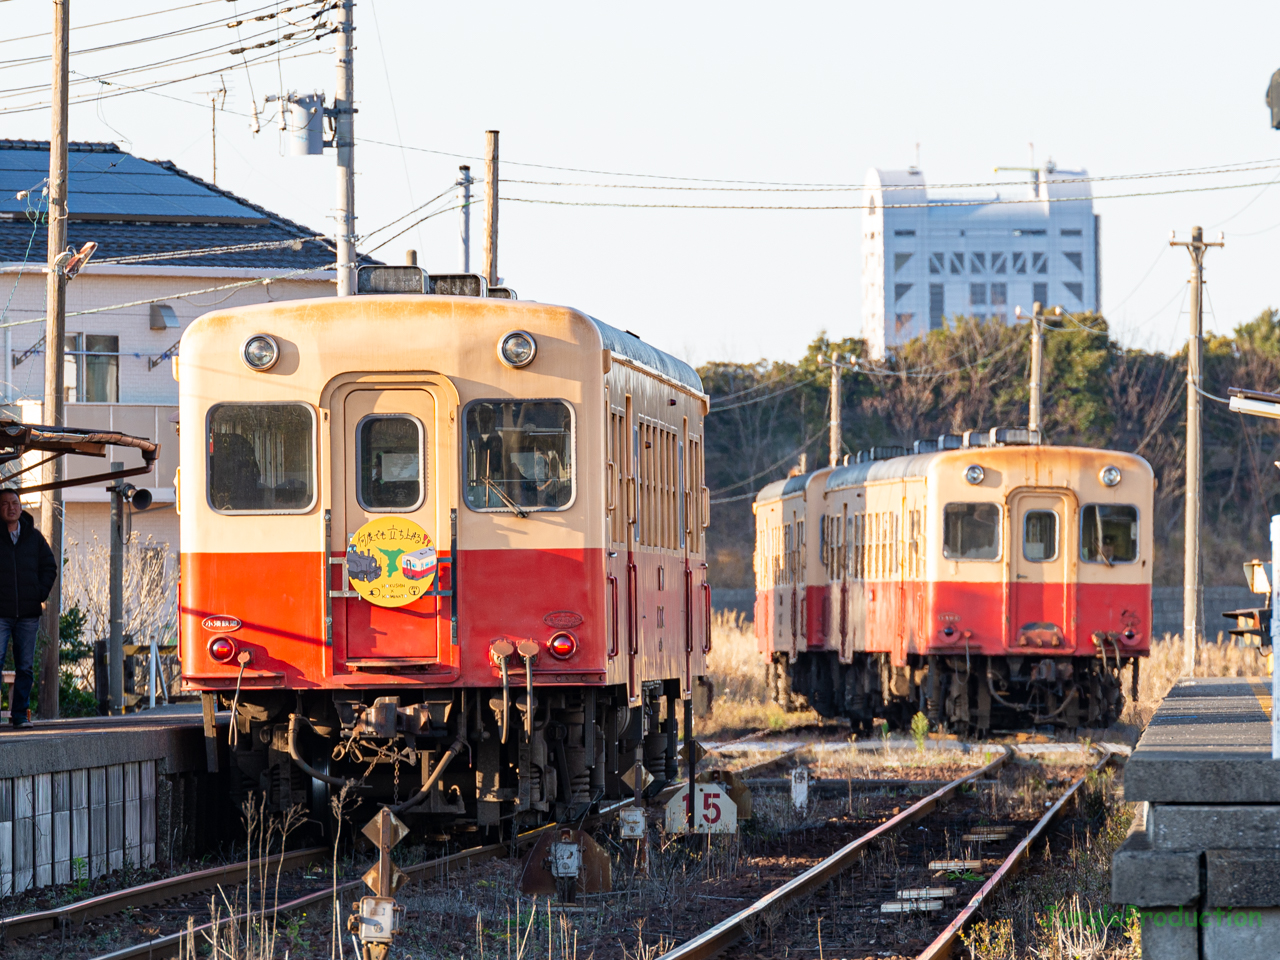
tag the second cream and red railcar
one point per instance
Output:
(999, 585)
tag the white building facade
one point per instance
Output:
(929, 255)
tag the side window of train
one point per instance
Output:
(390, 447)
(1108, 533)
(518, 453)
(1040, 535)
(971, 531)
(261, 457)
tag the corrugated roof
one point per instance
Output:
(134, 207)
(631, 347)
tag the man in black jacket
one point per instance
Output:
(27, 574)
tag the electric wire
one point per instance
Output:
(930, 204)
(768, 396)
(182, 296)
(112, 23)
(191, 57)
(179, 32)
(827, 188)
(127, 89)
(786, 183)
(434, 213)
(208, 251)
(744, 496)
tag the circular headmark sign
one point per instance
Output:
(391, 561)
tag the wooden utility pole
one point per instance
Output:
(1037, 344)
(344, 141)
(1191, 571)
(54, 346)
(491, 207)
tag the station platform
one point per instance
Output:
(1202, 860)
(84, 796)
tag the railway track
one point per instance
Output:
(949, 880)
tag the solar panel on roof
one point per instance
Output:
(118, 186)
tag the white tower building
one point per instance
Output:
(929, 254)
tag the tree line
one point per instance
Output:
(973, 374)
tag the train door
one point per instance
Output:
(1041, 610)
(619, 581)
(389, 529)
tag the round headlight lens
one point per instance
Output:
(261, 352)
(974, 474)
(562, 646)
(1109, 476)
(517, 349)
(222, 650)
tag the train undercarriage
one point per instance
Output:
(518, 768)
(970, 695)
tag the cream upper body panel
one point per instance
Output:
(1073, 472)
(449, 344)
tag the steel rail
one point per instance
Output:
(149, 894)
(169, 946)
(944, 943)
(723, 935)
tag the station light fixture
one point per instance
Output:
(974, 474)
(517, 349)
(261, 352)
(1110, 476)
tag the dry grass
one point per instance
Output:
(737, 669)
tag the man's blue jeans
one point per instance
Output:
(22, 630)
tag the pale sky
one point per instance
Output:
(808, 93)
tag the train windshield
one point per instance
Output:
(971, 531)
(260, 457)
(519, 454)
(390, 462)
(1114, 527)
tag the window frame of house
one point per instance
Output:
(80, 364)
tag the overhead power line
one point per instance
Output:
(112, 23)
(872, 206)
(849, 188)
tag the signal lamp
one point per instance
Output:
(1110, 476)
(974, 474)
(517, 349)
(261, 352)
(222, 649)
(562, 646)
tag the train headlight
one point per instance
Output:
(1110, 476)
(517, 349)
(562, 646)
(974, 474)
(261, 352)
(222, 650)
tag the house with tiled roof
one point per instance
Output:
(170, 247)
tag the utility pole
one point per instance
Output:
(835, 436)
(54, 345)
(115, 598)
(213, 120)
(1034, 419)
(344, 141)
(464, 216)
(491, 207)
(1191, 571)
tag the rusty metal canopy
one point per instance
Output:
(17, 439)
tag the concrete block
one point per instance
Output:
(1201, 827)
(1242, 935)
(1162, 940)
(1142, 877)
(1242, 878)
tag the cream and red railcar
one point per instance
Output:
(450, 547)
(988, 586)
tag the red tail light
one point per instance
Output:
(222, 650)
(562, 646)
